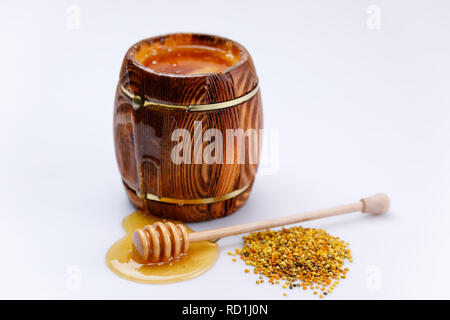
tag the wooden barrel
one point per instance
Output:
(160, 118)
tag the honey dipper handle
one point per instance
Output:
(376, 204)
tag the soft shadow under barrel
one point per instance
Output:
(160, 118)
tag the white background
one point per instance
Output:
(359, 110)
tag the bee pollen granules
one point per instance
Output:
(300, 257)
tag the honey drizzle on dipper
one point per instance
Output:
(120, 258)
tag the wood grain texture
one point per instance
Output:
(143, 137)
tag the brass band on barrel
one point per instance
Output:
(181, 202)
(139, 102)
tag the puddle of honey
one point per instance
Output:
(189, 59)
(201, 257)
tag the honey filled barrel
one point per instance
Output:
(187, 126)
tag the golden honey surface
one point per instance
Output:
(201, 257)
(189, 59)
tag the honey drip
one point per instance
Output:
(201, 257)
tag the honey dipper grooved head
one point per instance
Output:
(160, 242)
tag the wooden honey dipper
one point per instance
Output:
(162, 242)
